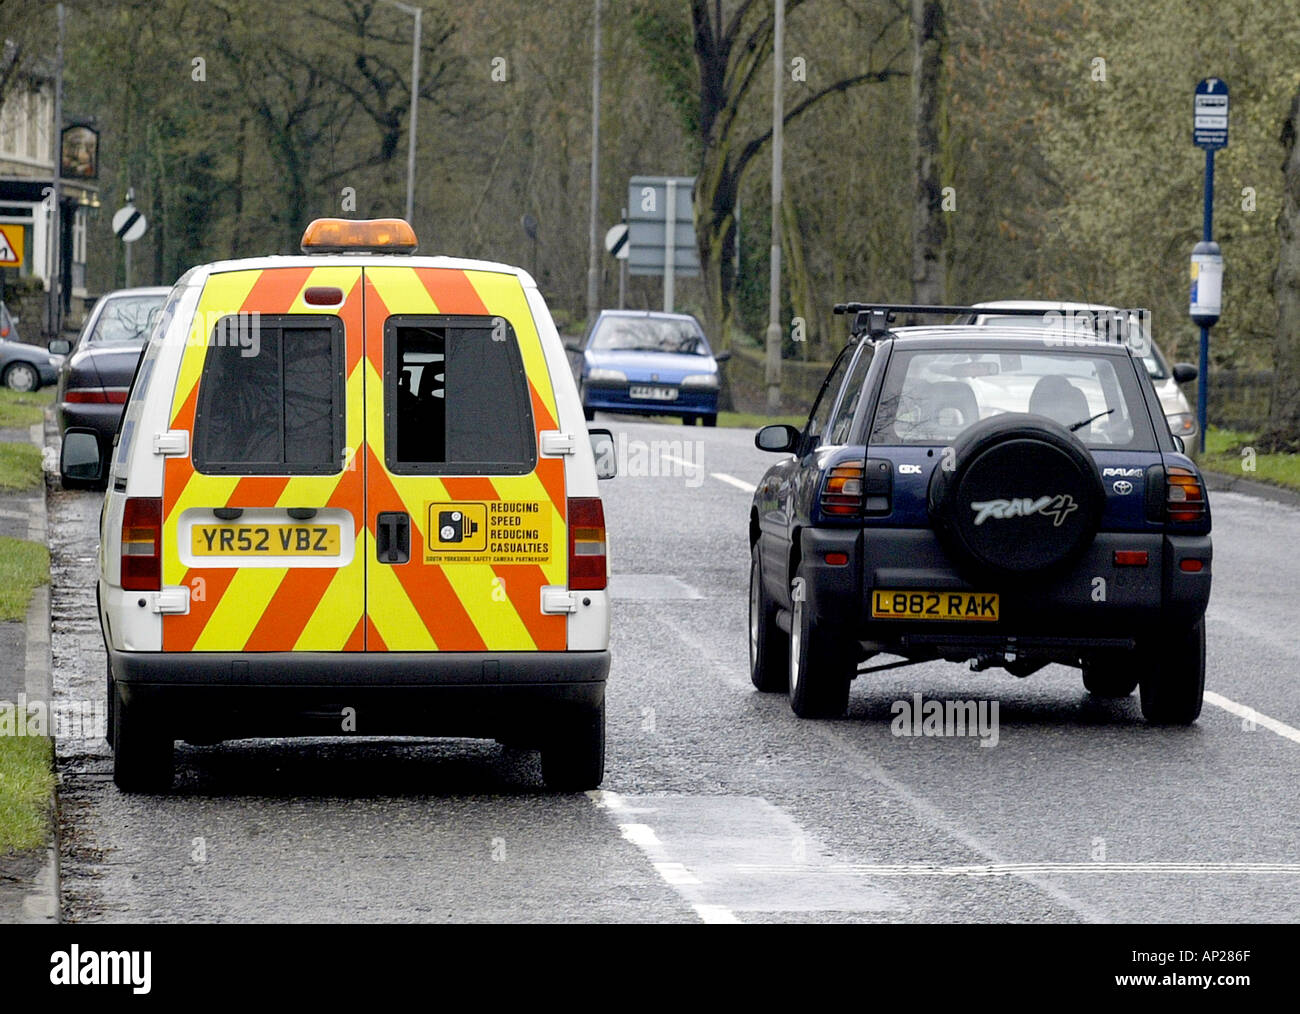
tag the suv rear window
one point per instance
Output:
(930, 397)
(271, 397)
(456, 398)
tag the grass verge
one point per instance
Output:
(1226, 452)
(26, 781)
(755, 420)
(23, 408)
(20, 466)
(23, 566)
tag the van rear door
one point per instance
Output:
(264, 519)
(466, 514)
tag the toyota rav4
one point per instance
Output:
(1004, 496)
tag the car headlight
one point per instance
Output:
(1181, 423)
(599, 376)
(701, 381)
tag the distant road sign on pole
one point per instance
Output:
(129, 224)
(650, 236)
(616, 241)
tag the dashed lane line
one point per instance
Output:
(1251, 715)
(731, 480)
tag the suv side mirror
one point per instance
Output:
(779, 438)
(79, 458)
(1180, 445)
(1185, 372)
(602, 449)
(60, 346)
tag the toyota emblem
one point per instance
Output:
(1123, 487)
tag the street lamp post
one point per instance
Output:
(593, 252)
(415, 12)
(773, 349)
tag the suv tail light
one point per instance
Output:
(1184, 494)
(842, 494)
(586, 544)
(142, 544)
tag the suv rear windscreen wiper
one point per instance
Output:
(1081, 425)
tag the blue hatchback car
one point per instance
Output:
(647, 363)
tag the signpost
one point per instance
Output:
(129, 225)
(661, 229)
(1210, 132)
(616, 244)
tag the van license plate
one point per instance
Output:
(930, 605)
(264, 540)
(654, 393)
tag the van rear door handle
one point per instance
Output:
(393, 537)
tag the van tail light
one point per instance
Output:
(842, 494)
(586, 544)
(95, 396)
(1184, 494)
(142, 544)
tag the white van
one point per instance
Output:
(353, 493)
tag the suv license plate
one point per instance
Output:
(929, 605)
(264, 540)
(654, 393)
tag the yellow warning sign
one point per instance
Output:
(496, 531)
(11, 246)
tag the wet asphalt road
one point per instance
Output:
(719, 804)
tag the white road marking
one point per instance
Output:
(1020, 869)
(680, 461)
(1242, 711)
(716, 915)
(731, 480)
(730, 854)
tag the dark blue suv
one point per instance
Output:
(1009, 497)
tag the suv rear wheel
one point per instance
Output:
(573, 759)
(1173, 680)
(821, 665)
(143, 760)
(769, 657)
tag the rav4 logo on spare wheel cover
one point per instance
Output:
(1056, 507)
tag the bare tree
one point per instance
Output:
(929, 231)
(1283, 430)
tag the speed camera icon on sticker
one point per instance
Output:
(457, 527)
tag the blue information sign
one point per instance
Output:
(1210, 114)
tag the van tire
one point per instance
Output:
(573, 760)
(143, 760)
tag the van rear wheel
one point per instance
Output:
(143, 760)
(573, 759)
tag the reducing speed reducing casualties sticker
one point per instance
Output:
(498, 531)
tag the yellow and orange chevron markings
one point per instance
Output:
(365, 605)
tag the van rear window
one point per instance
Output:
(271, 397)
(456, 398)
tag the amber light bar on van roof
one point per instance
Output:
(344, 235)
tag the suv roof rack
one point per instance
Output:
(872, 320)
